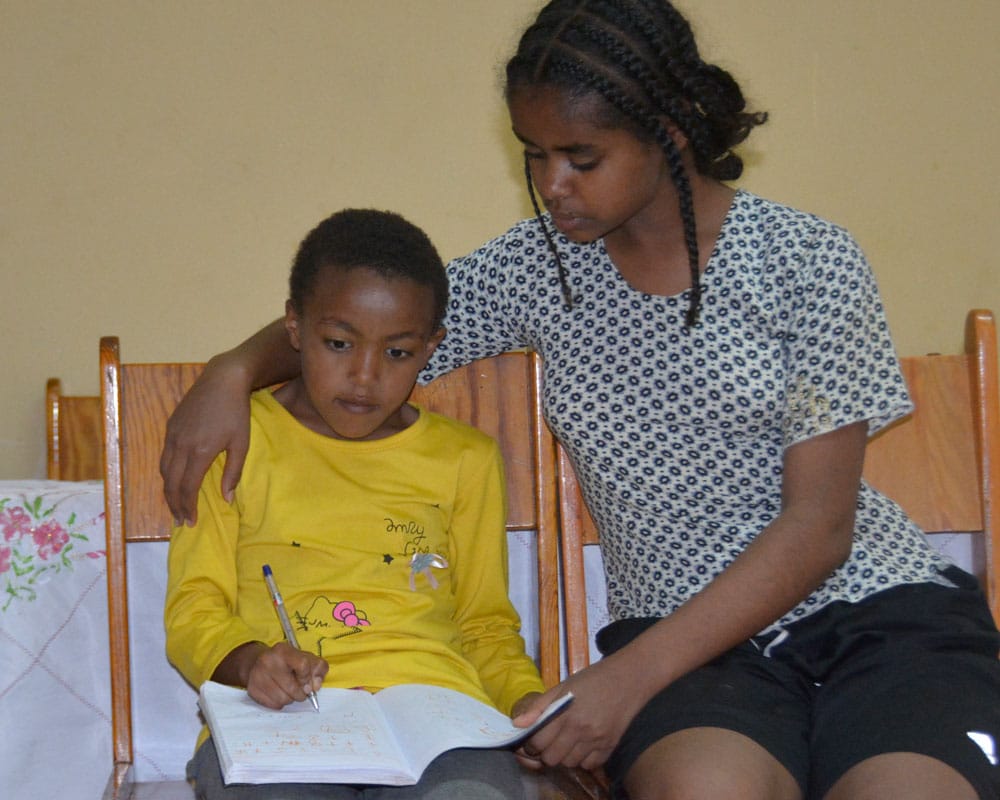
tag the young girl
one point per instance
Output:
(714, 363)
(385, 522)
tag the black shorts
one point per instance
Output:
(910, 669)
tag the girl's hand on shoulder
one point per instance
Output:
(588, 730)
(214, 416)
(281, 674)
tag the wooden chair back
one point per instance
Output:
(72, 434)
(941, 464)
(497, 395)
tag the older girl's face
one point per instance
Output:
(595, 181)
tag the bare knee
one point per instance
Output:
(709, 764)
(909, 775)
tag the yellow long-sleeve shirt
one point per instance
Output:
(390, 555)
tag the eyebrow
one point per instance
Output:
(571, 149)
(346, 326)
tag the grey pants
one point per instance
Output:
(455, 775)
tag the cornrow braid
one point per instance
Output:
(641, 58)
(675, 166)
(567, 292)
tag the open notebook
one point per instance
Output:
(386, 738)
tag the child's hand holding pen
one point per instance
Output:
(286, 624)
(274, 676)
(282, 674)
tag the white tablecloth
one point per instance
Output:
(54, 694)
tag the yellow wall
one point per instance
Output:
(159, 162)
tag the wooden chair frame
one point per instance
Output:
(72, 435)
(950, 447)
(136, 401)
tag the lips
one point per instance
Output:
(354, 405)
(567, 222)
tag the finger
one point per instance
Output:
(171, 471)
(312, 680)
(597, 758)
(189, 482)
(528, 761)
(534, 707)
(543, 738)
(586, 752)
(236, 455)
(554, 742)
(269, 684)
(305, 671)
(319, 672)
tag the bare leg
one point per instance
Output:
(894, 775)
(709, 764)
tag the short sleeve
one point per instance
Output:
(841, 364)
(480, 319)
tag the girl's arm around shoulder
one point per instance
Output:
(214, 418)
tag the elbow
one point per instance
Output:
(840, 540)
(827, 538)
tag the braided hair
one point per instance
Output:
(641, 58)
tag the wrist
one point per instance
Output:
(236, 667)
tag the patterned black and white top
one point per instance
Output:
(677, 434)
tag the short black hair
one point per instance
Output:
(382, 241)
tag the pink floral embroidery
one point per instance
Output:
(50, 538)
(39, 546)
(15, 522)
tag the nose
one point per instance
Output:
(552, 179)
(365, 366)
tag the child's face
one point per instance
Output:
(595, 181)
(362, 339)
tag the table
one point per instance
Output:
(54, 694)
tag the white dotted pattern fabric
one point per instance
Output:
(678, 434)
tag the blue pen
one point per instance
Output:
(286, 624)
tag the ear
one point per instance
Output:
(292, 322)
(676, 134)
(432, 343)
